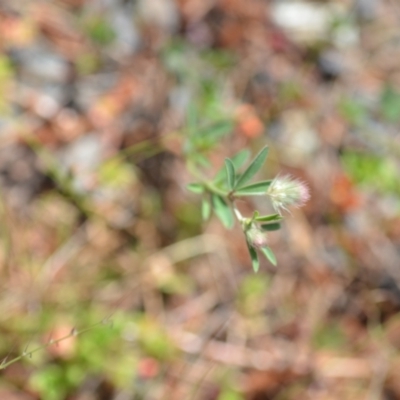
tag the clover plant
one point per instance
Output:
(219, 195)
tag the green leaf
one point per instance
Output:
(100, 31)
(253, 168)
(206, 137)
(271, 227)
(196, 158)
(195, 187)
(205, 209)
(267, 218)
(218, 129)
(390, 104)
(222, 210)
(6, 69)
(192, 119)
(229, 394)
(254, 257)
(238, 160)
(201, 160)
(352, 110)
(255, 189)
(367, 169)
(270, 255)
(114, 172)
(230, 173)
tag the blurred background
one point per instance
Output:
(102, 249)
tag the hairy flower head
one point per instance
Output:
(286, 191)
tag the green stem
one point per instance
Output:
(237, 213)
(74, 332)
(207, 184)
(216, 190)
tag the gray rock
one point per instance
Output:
(20, 177)
(179, 98)
(82, 157)
(366, 9)
(127, 36)
(163, 13)
(91, 87)
(302, 20)
(39, 63)
(330, 64)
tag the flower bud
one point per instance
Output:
(285, 191)
(256, 237)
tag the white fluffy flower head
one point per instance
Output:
(286, 191)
